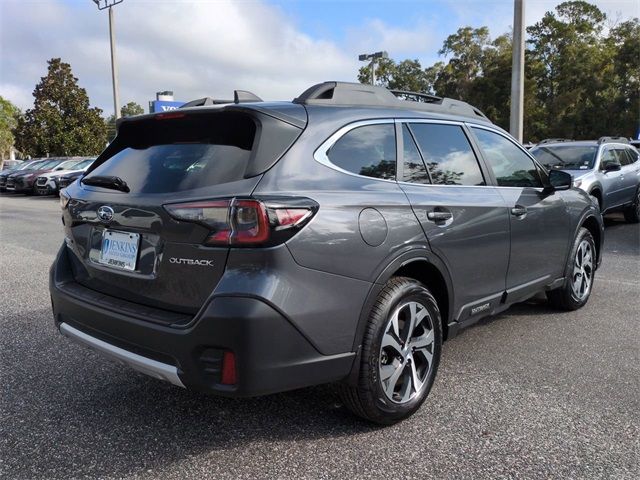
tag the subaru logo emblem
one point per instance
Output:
(105, 213)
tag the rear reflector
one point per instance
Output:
(228, 369)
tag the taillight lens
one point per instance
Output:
(212, 214)
(246, 222)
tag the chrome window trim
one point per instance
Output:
(320, 155)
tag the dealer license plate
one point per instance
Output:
(119, 249)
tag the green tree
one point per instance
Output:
(573, 70)
(624, 42)
(9, 116)
(61, 121)
(406, 75)
(128, 110)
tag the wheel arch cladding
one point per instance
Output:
(430, 276)
(591, 224)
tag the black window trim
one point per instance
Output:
(544, 176)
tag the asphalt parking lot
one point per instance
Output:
(532, 393)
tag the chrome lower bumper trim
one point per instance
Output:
(153, 368)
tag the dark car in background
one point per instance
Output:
(66, 178)
(608, 169)
(11, 165)
(24, 181)
(27, 166)
(253, 248)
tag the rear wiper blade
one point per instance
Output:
(115, 183)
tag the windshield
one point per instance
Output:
(67, 165)
(28, 165)
(84, 164)
(49, 164)
(566, 157)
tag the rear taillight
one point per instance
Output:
(247, 222)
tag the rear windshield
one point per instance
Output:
(177, 154)
(566, 157)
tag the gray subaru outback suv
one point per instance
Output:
(608, 169)
(250, 248)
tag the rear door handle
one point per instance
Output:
(439, 216)
(519, 211)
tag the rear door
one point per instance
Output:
(465, 220)
(125, 243)
(613, 190)
(539, 222)
(630, 169)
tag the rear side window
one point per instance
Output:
(160, 156)
(633, 154)
(624, 155)
(414, 170)
(369, 150)
(511, 166)
(447, 154)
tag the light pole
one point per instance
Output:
(104, 4)
(517, 72)
(373, 57)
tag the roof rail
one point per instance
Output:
(239, 96)
(357, 94)
(554, 140)
(415, 96)
(613, 139)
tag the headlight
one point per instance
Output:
(577, 183)
(64, 200)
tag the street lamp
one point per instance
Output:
(517, 71)
(373, 57)
(103, 4)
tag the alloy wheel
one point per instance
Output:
(406, 352)
(582, 270)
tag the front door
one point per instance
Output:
(539, 222)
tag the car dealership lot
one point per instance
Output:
(530, 393)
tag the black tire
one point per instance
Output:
(368, 398)
(565, 297)
(632, 213)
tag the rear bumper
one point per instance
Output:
(271, 353)
(148, 366)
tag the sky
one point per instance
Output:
(197, 48)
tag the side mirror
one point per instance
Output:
(559, 180)
(612, 167)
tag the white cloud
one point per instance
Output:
(211, 47)
(195, 49)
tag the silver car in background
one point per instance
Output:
(608, 169)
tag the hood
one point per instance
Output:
(578, 173)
